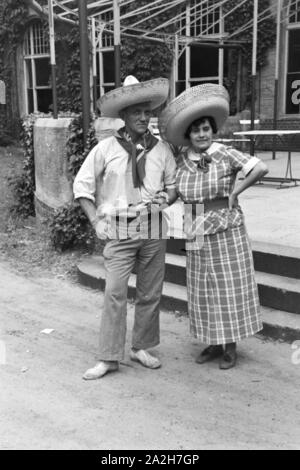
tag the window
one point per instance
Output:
(105, 54)
(293, 63)
(198, 64)
(205, 18)
(38, 90)
(294, 11)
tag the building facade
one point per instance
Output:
(192, 64)
(289, 69)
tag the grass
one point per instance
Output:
(24, 244)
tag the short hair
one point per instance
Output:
(199, 121)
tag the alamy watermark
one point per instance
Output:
(295, 357)
(2, 353)
(185, 221)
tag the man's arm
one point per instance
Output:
(101, 224)
(85, 189)
(88, 208)
(172, 194)
(169, 195)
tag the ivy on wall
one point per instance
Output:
(23, 185)
(76, 151)
(14, 21)
(141, 57)
(68, 226)
(147, 59)
(266, 40)
(13, 14)
(266, 29)
(68, 68)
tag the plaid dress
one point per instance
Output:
(222, 293)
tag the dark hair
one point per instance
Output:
(199, 121)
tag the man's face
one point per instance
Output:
(137, 118)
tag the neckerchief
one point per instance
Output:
(203, 161)
(137, 151)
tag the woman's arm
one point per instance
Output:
(253, 176)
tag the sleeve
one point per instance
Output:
(241, 161)
(85, 182)
(170, 169)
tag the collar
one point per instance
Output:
(195, 157)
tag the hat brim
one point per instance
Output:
(185, 109)
(154, 92)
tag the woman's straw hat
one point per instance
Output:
(202, 100)
(133, 92)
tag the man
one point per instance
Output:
(123, 176)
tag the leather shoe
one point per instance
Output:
(210, 353)
(100, 369)
(144, 358)
(228, 360)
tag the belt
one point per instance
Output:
(213, 205)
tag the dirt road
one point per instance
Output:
(46, 405)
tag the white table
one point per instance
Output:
(283, 135)
(228, 141)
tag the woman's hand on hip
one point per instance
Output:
(233, 201)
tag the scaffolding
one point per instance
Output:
(189, 23)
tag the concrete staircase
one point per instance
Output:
(277, 273)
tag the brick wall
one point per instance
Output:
(293, 143)
(265, 87)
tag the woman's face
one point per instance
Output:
(201, 136)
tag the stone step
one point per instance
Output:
(277, 324)
(276, 259)
(268, 257)
(279, 292)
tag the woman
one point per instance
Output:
(222, 293)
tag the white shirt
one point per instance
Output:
(105, 176)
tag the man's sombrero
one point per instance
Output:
(202, 100)
(133, 92)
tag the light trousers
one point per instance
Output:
(120, 257)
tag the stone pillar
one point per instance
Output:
(53, 183)
(54, 186)
(105, 127)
